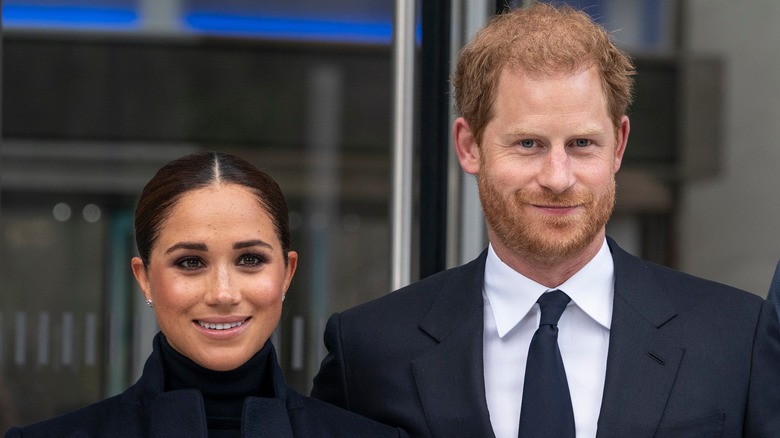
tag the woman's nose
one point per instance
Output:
(223, 290)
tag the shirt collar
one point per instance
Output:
(512, 295)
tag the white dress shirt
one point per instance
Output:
(511, 316)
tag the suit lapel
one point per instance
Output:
(642, 363)
(450, 377)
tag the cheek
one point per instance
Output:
(597, 173)
(262, 289)
(504, 168)
(265, 290)
(172, 293)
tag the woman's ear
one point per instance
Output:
(292, 265)
(141, 276)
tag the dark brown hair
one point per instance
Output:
(540, 40)
(197, 171)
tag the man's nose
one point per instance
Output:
(556, 173)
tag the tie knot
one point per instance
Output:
(552, 305)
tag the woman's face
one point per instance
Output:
(217, 276)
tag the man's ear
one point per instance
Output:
(622, 141)
(465, 146)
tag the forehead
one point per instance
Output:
(222, 207)
(564, 91)
(218, 190)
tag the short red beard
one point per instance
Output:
(542, 239)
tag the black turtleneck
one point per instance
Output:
(223, 391)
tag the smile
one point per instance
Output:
(220, 326)
(557, 208)
(554, 206)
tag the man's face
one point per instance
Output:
(547, 163)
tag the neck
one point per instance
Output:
(552, 273)
(223, 391)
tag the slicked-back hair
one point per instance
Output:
(196, 171)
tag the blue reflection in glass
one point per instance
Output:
(69, 17)
(289, 28)
(201, 22)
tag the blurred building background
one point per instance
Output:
(98, 94)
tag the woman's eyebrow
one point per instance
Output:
(188, 245)
(250, 243)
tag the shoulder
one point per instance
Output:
(114, 413)
(414, 300)
(119, 415)
(685, 292)
(690, 288)
(720, 307)
(314, 417)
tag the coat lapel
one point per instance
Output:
(266, 417)
(171, 413)
(177, 413)
(450, 377)
(642, 363)
(183, 413)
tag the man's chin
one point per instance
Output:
(552, 247)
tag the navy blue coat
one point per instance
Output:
(145, 410)
(687, 357)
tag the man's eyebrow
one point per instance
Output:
(188, 245)
(589, 132)
(585, 132)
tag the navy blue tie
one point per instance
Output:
(546, 410)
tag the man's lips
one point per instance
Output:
(555, 206)
(557, 209)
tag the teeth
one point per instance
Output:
(220, 326)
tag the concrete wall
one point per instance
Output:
(730, 225)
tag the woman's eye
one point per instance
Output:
(250, 260)
(581, 142)
(527, 143)
(190, 263)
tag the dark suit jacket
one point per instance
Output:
(774, 289)
(144, 410)
(687, 357)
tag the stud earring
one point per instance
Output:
(283, 297)
(149, 303)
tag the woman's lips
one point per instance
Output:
(226, 325)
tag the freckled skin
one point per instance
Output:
(217, 259)
(546, 170)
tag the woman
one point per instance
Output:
(214, 263)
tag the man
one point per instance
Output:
(646, 351)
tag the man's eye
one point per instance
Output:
(527, 143)
(581, 142)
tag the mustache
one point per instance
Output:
(546, 198)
